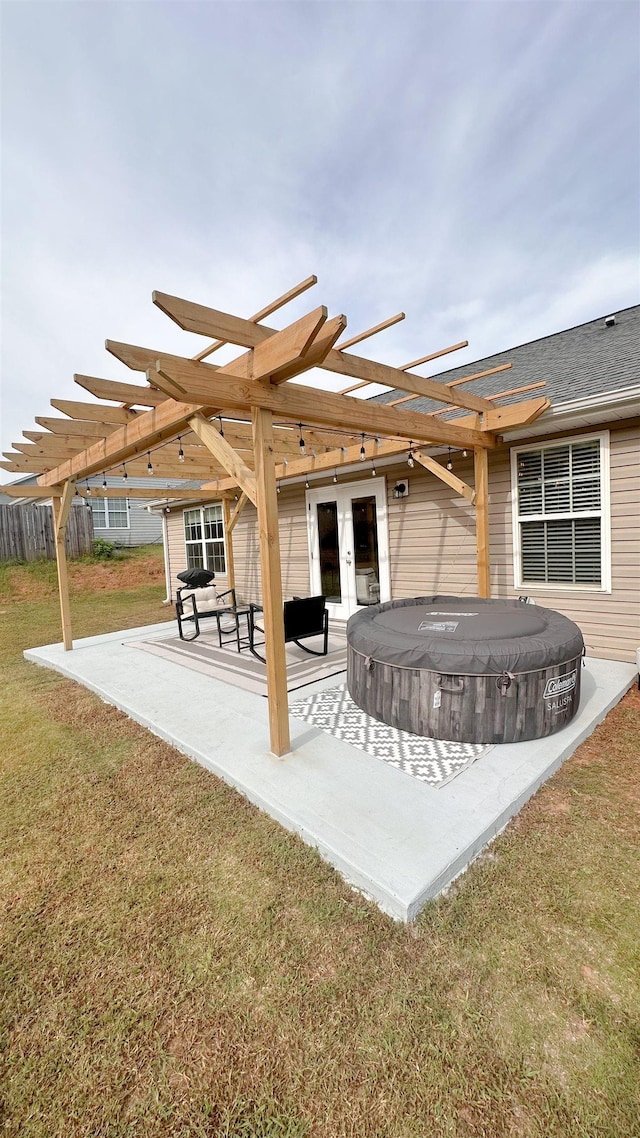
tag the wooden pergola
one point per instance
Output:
(238, 429)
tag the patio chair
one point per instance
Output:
(304, 617)
(195, 604)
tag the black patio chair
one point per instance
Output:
(194, 604)
(304, 617)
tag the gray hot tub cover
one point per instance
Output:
(464, 635)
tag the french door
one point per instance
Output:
(348, 545)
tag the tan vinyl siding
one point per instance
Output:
(432, 544)
(293, 547)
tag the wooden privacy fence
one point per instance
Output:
(26, 532)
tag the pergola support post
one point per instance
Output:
(61, 506)
(228, 532)
(270, 569)
(481, 474)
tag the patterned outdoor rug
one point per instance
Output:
(241, 668)
(431, 760)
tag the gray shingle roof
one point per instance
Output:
(588, 360)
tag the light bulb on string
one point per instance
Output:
(464, 453)
(449, 462)
(373, 469)
(335, 476)
(363, 453)
(306, 483)
(88, 488)
(149, 463)
(277, 487)
(303, 448)
(180, 451)
(410, 459)
(124, 473)
(104, 482)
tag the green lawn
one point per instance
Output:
(174, 963)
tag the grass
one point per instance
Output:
(174, 963)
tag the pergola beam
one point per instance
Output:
(294, 292)
(457, 382)
(120, 392)
(99, 412)
(446, 476)
(228, 458)
(149, 428)
(235, 516)
(15, 490)
(152, 493)
(371, 331)
(82, 427)
(210, 322)
(164, 421)
(509, 417)
(304, 404)
(405, 367)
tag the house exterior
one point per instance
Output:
(564, 503)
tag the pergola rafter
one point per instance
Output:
(240, 426)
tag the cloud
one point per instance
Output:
(470, 164)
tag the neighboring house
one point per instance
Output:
(124, 521)
(564, 503)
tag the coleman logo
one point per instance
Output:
(561, 685)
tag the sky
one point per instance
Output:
(475, 165)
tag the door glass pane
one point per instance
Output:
(329, 551)
(365, 542)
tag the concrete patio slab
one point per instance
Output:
(395, 838)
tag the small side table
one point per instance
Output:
(233, 632)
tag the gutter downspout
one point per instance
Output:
(167, 573)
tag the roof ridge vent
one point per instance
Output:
(609, 321)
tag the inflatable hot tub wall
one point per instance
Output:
(467, 669)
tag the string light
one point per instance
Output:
(221, 427)
(277, 487)
(410, 459)
(149, 463)
(363, 453)
(449, 462)
(124, 473)
(88, 488)
(104, 482)
(303, 448)
(373, 469)
(180, 452)
(464, 453)
(306, 483)
(335, 476)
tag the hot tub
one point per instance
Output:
(465, 668)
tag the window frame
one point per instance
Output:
(604, 513)
(105, 501)
(203, 541)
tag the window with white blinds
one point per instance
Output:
(204, 538)
(561, 513)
